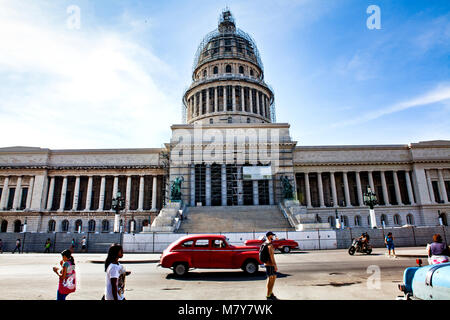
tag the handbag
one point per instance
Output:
(68, 285)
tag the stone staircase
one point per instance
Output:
(234, 219)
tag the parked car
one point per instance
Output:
(284, 245)
(209, 251)
(431, 282)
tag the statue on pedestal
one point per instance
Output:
(287, 188)
(175, 189)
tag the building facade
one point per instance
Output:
(230, 151)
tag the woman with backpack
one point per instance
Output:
(67, 281)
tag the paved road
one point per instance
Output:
(331, 274)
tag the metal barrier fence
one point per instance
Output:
(410, 236)
(35, 242)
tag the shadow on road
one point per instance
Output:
(223, 276)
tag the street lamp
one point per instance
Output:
(118, 203)
(440, 218)
(370, 199)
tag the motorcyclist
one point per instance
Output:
(361, 240)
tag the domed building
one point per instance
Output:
(229, 167)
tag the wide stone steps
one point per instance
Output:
(234, 219)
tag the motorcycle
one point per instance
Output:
(356, 247)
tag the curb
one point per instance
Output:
(412, 255)
(126, 261)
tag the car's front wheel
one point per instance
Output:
(180, 269)
(250, 267)
(286, 249)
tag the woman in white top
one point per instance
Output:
(115, 274)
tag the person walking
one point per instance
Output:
(18, 245)
(67, 279)
(389, 242)
(72, 246)
(271, 265)
(47, 245)
(115, 274)
(83, 244)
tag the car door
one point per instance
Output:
(220, 254)
(200, 253)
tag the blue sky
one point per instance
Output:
(118, 80)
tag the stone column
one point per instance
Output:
(308, 191)
(5, 194)
(319, 182)
(128, 194)
(216, 99)
(195, 105)
(16, 199)
(442, 191)
(224, 184)
(333, 190)
(240, 186)
(359, 189)
(348, 203)
(141, 194)
(250, 96)
(385, 191)
(89, 195)
(51, 192)
(76, 193)
(63, 194)
(271, 198)
(234, 97)
(397, 189)
(263, 105)
(409, 188)
(430, 187)
(208, 185)
(224, 98)
(242, 99)
(154, 194)
(207, 100)
(192, 185)
(115, 186)
(200, 104)
(371, 184)
(257, 101)
(101, 197)
(255, 192)
(30, 192)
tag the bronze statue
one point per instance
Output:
(175, 190)
(287, 187)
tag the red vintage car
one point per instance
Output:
(284, 245)
(208, 251)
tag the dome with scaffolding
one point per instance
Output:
(227, 41)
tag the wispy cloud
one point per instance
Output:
(441, 94)
(85, 88)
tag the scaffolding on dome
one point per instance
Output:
(215, 33)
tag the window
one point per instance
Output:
(397, 220)
(357, 221)
(105, 226)
(228, 69)
(218, 243)
(410, 219)
(230, 120)
(4, 226)
(248, 120)
(78, 226)
(216, 70)
(331, 221)
(344, 221)
(204, 73)
(384, 219)
(241, 69)
(211, 121)
(17, 226)
(51, 226)
(187, 244)
(251, 72)
(65, 226)
(91, 226)
(202, 243)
